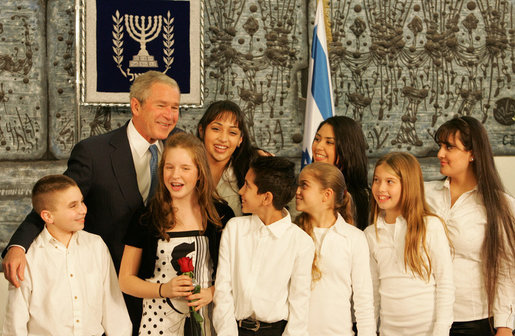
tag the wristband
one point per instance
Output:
(160, 285)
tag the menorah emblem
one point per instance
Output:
(143, 33)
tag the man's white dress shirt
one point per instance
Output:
(466, 221)
(67, 291)
(264, 272)
(408, 304)
(141, 158)
(343, 260)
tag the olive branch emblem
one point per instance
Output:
(118, 35)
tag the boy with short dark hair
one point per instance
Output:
(70, 285)
(263, 280)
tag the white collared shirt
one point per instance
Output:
(408, 304)
(264, 271)
(466, 221)
(67, 291)
(228, 189)
(343, 260)
(141, 158)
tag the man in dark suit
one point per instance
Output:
(112, 171)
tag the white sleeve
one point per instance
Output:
(224, 320)
(115, 318)
(374, 271)
(18, 310)
(363, 290)
(504, 300)
(300, 290)
(442, 268)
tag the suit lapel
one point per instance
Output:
(123, 167)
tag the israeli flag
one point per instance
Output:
(319, 98)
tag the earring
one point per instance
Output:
(471, 159)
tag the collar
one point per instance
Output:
(47, 239)
(381, 224)
(447, 185)
(228, 174)
(276, 228)
(341, 226)
(138, 143)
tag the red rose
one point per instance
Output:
(186, 264)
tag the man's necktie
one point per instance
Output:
(153, 171)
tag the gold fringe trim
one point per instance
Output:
(327, 22)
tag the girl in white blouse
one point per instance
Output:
(409, 253)
(341, 267)
(480, 217)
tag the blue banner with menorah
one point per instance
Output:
(127, 38)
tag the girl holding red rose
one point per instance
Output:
(341, 266)
(171, 250)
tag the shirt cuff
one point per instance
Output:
(23, 248)
(441, 329)
(505, 320)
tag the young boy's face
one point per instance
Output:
(251, 201)
(68, 211)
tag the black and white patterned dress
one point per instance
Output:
(168, 316)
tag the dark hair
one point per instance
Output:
(161, 207)
(277, 176)
(41, 200)
(498, 245)
(352, 161)
(245, 152)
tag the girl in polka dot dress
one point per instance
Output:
(183, 219)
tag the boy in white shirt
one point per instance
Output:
(70, 285)
(264, 267)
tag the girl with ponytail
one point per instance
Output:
(341, 266)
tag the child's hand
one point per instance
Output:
(502, 331)
(201, 299)
(179, 286)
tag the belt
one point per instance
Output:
(255, 325)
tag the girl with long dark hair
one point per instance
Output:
(339, 141)
(224, 132)
(480, 217)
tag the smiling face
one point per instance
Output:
(455, 159)
(221, 138)
(309, 197)
(156, 117)
(180, 173)
(67, 213)
(387, 191)
(251, 201)
(324, 147)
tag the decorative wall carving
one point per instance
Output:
(417, 63)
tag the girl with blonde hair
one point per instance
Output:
(409, 253)
(341, 266)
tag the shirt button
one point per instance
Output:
(71, 275)
(75, 298)
(77, 321)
